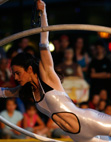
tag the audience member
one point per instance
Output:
(94, 102)
(108, 109)
(13, 116)
(24, 42)
(103, 95)
(4, 73)
(100, 70)
(32, 121)
(68, 67)
(102, 105)
(81, 56)
(84, 105)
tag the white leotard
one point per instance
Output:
(92, 123)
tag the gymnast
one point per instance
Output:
(82, 125)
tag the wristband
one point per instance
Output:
(44, 46)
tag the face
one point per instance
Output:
(24, 43)
(102, 105)
(103, 95)
(79, 43)
(21, 75)
(108, 110)
(68, 55)
(10, 106)
(96, 99)
(64, 43)
(31, 111)
(100, 49)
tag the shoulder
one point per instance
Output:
(3, 113)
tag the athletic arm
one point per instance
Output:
(46, 58)
(9, 92)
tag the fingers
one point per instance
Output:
(40, 5)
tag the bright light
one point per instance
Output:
(51, 46)
(104, 34)
(7, 47)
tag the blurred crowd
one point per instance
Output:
(94, 66)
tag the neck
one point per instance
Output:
(34, 80)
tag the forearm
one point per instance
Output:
(44, 35)
(98, 75)
(9, 92)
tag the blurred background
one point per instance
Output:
(83, 58)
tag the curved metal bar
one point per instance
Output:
(41, 138)
(3, 1)
(55, 28)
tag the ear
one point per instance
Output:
(30, 70)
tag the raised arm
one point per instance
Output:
(46, 59)
(9, 92)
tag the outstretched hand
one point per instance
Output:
(40, 5)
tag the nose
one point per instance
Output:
(16, 77)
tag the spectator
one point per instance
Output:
(68, 67)
(84, 105)
(101, 105)
(32, 121)
(14, 116)
(24, 42)
(81, 56)
(94, 102)
(57, 54)
(2, 53)
(64, 42)
(30, 50)
(108, 109)
(56, 132)
(103, 95)
(100, 70)
(4, 73)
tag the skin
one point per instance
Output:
(48, 75)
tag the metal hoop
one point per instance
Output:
(55, 28)
(26, 132)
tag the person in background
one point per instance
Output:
(57, 54)
(94, 102)
(84, 105)
(32, 121)
(81, 56)
(100, 70)
(24, 42)
(68, 67)
(13, 116)
(64, 42)
(108, 109)
(103, 95)
(4, 73)
(55, 131)
(102, 105)
(2, 53)
(30, 50)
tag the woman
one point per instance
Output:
(82, 125)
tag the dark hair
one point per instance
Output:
(25, 60)
(83, 103)
(11, 99)
(29, 106)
